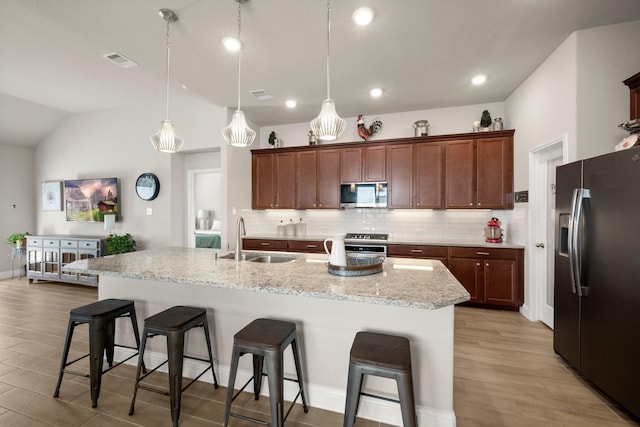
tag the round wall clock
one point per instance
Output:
(147, 186)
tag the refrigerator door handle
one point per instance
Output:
(584, 193)
(577, 238)
(571, 241)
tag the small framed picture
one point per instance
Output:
(52, 196)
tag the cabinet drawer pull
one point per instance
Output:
(416, 251)
(312, 246)
(265, 244)
(483, 253)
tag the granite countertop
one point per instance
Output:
(424, 284)
(479, 242)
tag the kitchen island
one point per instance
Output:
(414, 298)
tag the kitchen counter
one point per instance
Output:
(413, 298)
(479, 242)
(306, 276)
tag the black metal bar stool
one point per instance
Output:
(101, 317)
(173, 323)
(386, 356)
(266, 338)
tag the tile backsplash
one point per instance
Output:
(400, 224)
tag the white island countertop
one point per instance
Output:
(403, 282)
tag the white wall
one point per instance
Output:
(115, 143)
(544, 108)
(18, 207)
(396, 125)
(606, 57)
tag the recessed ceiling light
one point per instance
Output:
(290, 103)
(232, 44)
(376, 92)
(479, 79)
(363, 16)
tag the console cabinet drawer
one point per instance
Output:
(68, 243)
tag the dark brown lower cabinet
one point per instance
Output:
(307, 246)
(439, 253)
(264, 244)
(493, 277)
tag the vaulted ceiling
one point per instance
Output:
(422, 52)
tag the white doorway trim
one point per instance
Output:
(191, 208)
(539, 158)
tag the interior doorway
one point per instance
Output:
(205, 214)
(542, 169)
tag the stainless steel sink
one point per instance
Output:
(267, 259)
(271, 259)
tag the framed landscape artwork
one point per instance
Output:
(88, 200)
(52, 196)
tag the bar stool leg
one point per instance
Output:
(208, 338)
(109, 344)
(407, 404)
(233, 370)
(258, 363)
(97, 346)
(175, 344)
(65, 354)
(296, 359)
(354, 384)
(140, 368)
(275, 375)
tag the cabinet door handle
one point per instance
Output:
(483, 253)
(479, 204)
(478, 264)
(416, 251)
(486, 265)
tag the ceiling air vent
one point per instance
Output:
(119, 59)
(261, 94)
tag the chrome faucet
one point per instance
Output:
(239, 235)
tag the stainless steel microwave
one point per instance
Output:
(363, 195)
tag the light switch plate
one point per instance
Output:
(522, 196)
(149, 211)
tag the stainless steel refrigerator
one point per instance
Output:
(597, 272)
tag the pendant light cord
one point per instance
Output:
(328, 44)
(168, 59)
(239, 50)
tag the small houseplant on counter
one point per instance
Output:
(485, 121)
(18, 239)
(120, 244)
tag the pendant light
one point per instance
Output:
(328, 126)
(237, 133)
(165, 139)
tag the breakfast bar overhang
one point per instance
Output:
(413, 298)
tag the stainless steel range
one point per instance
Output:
(366, 244)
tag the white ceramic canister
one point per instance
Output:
(301, 229)
(291, 229)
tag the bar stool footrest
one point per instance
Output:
(388, 399)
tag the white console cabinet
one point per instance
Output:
(46, 255)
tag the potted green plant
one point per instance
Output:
(485, 121)
(18, 239)
(117, 244)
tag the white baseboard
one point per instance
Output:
(322, 397)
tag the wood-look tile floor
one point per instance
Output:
(506, 374)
